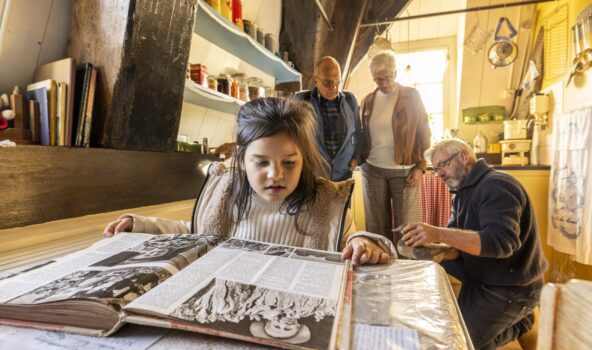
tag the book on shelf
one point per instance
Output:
(259, 292)
(40, 95)
(81, 85)
(88, 110)
(61, 71)
(61, 111)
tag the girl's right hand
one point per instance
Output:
(124, 224)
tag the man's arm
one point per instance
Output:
(416, 235)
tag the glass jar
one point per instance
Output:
(213, 83)
(241, 79)
(254, 86)
(267, 91)
(234, 89)
(224, 84)
(260, 36)
(269, 41)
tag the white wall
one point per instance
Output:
(32, 33)
(198, 122)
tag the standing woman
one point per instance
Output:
(397, 134)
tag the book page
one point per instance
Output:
(255, 290)
(120, 268)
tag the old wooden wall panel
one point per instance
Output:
(48, 183)
(141, 49)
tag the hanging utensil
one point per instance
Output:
(503, 51)
(579, 63)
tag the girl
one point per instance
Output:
(271, 193)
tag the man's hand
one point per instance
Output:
(353, 164)
(414, 177)
(362, 251)
(416, 235)
(120, 225)
(447, 255)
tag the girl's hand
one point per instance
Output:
(362, 251)
(120, 225)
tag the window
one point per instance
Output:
(425, 71)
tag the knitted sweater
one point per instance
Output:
(323, 223)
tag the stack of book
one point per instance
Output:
(61, 103)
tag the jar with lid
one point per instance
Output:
(241, 79)
(224, 84)
(199, 74)
(237, 13)
(269, 41)
(267, 91)
(234, 89)
(254, 85)
(213, 83)
(260, 36)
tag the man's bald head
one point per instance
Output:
(327, 77)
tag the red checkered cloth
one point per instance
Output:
(434, 200)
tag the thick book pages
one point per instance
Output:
(264, 293)
(40, 95)
(269, 294)
(84, 292)
(63, 71)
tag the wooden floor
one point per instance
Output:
(37, 243)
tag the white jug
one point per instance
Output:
(480, 143)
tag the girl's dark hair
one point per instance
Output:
(266, 117)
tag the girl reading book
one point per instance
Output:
(271, 192)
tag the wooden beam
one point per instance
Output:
(141, 49)
(307, 38)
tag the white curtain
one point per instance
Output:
(570, 186)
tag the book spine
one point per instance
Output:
(89, 107)
(34, 121)
(83, 102)
(52, 102)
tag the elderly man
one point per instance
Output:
(396, 135)
(497, 256)
(337, 119)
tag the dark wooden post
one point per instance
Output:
(141, 50)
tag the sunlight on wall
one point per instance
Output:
(424, 70)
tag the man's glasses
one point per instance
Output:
(385, 79)
(329, 83)
(444, 164)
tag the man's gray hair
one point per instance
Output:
(451, 146)
(383, 61)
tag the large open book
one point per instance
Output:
(276, 295)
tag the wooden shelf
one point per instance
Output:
(202, 96)
(210, 25)
(488, 122)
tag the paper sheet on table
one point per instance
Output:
(385, 338)
(130, 337)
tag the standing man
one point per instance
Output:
(397, 133)
(337, 119)
(498, 256)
